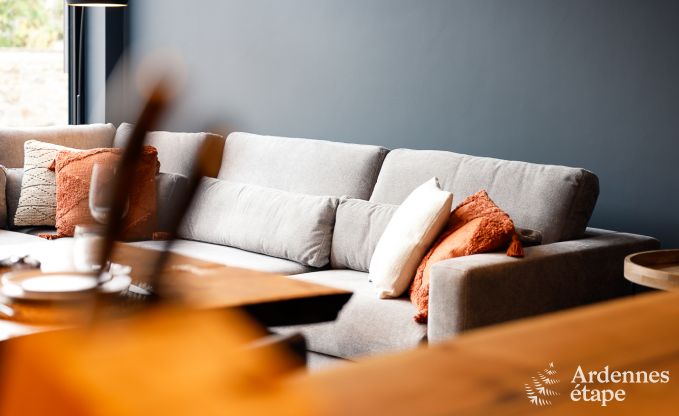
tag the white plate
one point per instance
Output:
(36, 285)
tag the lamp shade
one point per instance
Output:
(97, 3)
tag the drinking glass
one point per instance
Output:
(101, 192)
(88, 245)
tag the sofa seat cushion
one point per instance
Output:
(230, 256)
(314, 167)
(366, 325)
(11, 238)
(555, 200)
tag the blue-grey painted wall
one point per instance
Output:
(590, 83)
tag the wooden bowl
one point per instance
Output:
(658, 269)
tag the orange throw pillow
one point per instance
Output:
(477, 225)
(74, 173)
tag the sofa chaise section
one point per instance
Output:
(574, 265)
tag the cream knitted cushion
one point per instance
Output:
(38, 200)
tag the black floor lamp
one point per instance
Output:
(78, 82)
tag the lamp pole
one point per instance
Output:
(79, 119)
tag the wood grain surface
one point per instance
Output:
(483, 372)
(658, 269)
(269, 298)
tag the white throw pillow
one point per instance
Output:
(38, 200)
(412, 230)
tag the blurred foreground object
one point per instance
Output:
(168, 362)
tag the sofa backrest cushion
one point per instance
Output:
(86, 136)
(177, 152)
(170, 188)
(314, 167)
(359, 225)
(556, 200)
(269, 221)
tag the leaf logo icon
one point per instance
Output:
(539, 390)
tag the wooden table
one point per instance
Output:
(269, 298)
(483, 372)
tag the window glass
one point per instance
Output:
(33, 82)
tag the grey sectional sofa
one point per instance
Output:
(574, 265)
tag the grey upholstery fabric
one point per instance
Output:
(483, 289)
(366, 325)
(316, 362)
(11, 238)
(169, 188)
(3, 198)
(177, 152)
(80, 137)
(306, 166)
(359, 225)
(282, 224)
(13, 192)
(555, 200)
(230, 256)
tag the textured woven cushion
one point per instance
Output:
(477, 225)
(411, 231)
(177, 152)
(314, 167)
(358, 227)
(74, 172)
(79, 137)
(38, 201)
(555, 200)
(283, 224)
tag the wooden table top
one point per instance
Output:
(483, 372)
(658, 269)
(207, 285)
(270, 298)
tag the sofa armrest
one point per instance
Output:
(483, 289)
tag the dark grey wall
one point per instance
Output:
(590, 83)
